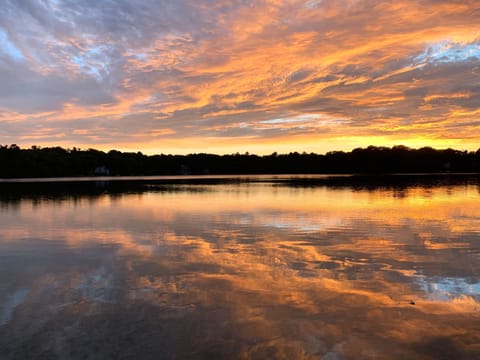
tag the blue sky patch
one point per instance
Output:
(7, 47)
(447, 52)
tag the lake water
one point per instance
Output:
(241, 268)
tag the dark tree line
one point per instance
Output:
(56, 161)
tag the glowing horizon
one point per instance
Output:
(240, 76)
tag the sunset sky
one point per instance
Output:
(183, 76)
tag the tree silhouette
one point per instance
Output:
(56, 161)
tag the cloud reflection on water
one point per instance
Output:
(250, 270)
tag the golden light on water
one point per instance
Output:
(270, 266)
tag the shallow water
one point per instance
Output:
(241, 268)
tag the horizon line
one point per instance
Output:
(245, 153)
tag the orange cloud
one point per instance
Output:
(394, 72)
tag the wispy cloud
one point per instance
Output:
(223, 76)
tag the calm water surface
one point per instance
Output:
(242, 268)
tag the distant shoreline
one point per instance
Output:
(56, 162)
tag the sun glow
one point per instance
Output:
(225, 77)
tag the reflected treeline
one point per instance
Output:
(14, 191)
(54, 162)
(397, 182)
